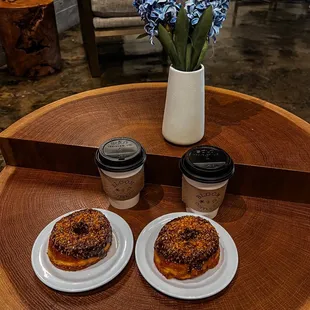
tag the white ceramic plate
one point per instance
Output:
(92, 277)
(206, 285)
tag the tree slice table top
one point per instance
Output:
(252, 131)
(267, 143)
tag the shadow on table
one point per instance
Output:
(232, 209)
(221, 114)
(150, 197)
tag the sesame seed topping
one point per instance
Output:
(188, 240)
(82, 234)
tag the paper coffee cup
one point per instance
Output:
(206, 171)
(121, 166)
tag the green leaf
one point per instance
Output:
(200, 34)
(141, 36)
(181, 36)
(168, 45)
(202, 55)
(188, 56)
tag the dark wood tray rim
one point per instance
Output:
(249, 180)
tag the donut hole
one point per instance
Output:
(189, 234)
(80, 228)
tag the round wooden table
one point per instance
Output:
(50, 171)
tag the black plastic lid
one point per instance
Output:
(207, 164)
(120, 155)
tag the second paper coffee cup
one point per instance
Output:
(206, 171)
(121, 165)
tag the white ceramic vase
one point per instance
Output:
(184, 117)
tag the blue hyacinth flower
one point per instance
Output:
(155, 12)
(195, 9)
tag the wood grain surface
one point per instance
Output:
(252, 131)
(248, 180)
(269, 145)
(272, 238)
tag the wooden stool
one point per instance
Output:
(29, 36)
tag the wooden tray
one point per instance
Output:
(50, 171)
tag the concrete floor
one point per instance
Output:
(259, 52)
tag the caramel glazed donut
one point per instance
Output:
(186, 247)
(79, 240)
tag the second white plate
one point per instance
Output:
(206, 285)
(93, 276)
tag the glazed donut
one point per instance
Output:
(186, 247)
(79, 240)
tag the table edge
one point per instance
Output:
(12, 129)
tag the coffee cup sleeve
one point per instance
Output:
(123, 188)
